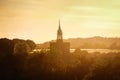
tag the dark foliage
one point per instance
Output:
(44, 65)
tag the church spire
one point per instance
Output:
(59, 33)
(59, 25)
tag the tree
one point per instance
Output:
(31, 44)
(6, 47)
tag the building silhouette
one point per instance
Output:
(59, 47)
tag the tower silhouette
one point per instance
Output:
(59, 34)
(59, 47)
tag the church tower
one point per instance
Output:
(59, 47)
(59, 34)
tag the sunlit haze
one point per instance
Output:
(38, 19)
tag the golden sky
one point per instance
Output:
(38, 19)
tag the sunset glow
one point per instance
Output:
(38, 19)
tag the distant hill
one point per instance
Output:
(89, 43)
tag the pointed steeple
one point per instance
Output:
(59, 33)
(59, 29)
(59, 25)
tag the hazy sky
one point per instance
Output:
(38, 19)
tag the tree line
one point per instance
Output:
(16, 63)
(89, 43)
